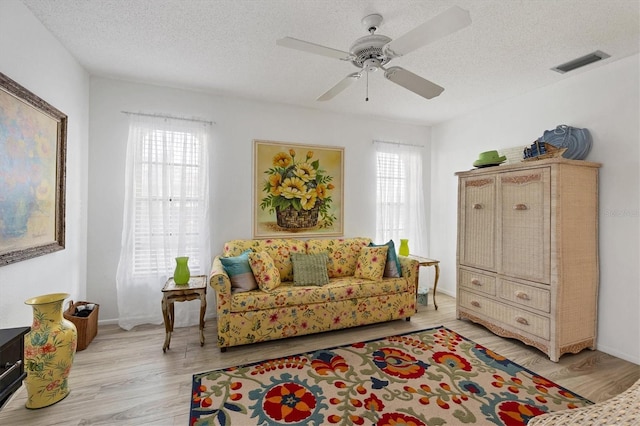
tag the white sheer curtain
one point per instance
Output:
(166, 215)
(400, 196)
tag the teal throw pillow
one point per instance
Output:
(239, 272)
(392, 268)
(310, 269)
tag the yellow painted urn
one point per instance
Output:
(49, 349)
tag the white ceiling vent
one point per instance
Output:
(580, 62)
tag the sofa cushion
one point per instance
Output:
(264, 270)
(279, 249)
(392, 267)
(343, 254)
(240, 273)
(371, 263)
(345, 288)
(310, 269)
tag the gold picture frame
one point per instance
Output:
(298, 190)
(33, 137)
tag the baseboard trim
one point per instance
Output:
(115, 320)
(617, 354)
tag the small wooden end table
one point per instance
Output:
(196, 288)
(424, 261)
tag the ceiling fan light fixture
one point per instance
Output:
(371, 65)
(581, 62)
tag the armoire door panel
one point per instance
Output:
(479, 220)
(524, 224)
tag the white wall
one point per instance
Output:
(604, 100)
(35, 59)
(238, 122)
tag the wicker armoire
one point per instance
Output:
(527, 257)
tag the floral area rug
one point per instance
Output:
(431, 377)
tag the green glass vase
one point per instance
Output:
(182, 274)
(404, 248)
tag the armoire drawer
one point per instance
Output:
(525, 295)
(505, 315)
(477, 281)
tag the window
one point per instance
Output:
(391, 195)
(169, 200)
(165, 213)
(400, 209)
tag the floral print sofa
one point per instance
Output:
(293, 310)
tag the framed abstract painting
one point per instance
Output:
(33, 138)
(298, 190)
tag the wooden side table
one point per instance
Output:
(424, 261)
(172, 292)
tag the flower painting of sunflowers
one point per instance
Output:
(298, 189)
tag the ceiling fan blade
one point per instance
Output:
(413, 82)
(448, 22)
(306, 46)
(343, 84)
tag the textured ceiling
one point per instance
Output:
(227, 47)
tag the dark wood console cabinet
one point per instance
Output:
(11, 361)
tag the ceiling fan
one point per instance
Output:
(371, 52)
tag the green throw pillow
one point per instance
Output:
(310, 269)
(239, 272)
(392, 268)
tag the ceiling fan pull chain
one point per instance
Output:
(367, 98)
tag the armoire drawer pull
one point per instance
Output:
(476, 281)
(477, 206)
(474, 303)
(522, 321)
(522, 295)
(520, 207)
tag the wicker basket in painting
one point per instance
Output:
(290, 218)
(87, 326)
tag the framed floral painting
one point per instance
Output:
(33, 138)
(298, 190)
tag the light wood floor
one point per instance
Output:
(123, 377)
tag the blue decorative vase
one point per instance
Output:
(182, 274)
